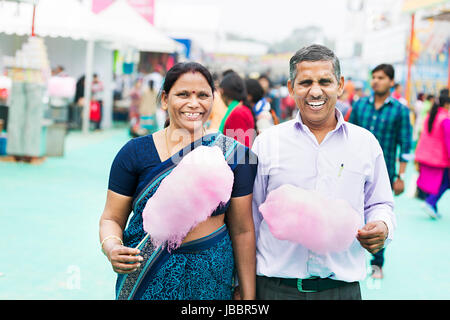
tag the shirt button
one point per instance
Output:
(371, 128)
(374, 117)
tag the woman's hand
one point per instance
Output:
(237, 293)
(112, 224)
(124, 260)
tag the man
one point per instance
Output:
(271, 96)
(389, 121)
(157, 75)
(398, 93)
(319, 151)
(59, 72)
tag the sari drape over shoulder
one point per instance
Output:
(199, 269)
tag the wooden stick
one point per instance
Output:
(143, 240)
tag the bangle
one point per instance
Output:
(111, 237)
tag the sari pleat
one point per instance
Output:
(199, 269)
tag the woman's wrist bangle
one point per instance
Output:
(111, 237)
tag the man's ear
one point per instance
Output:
(341, 86)
(290, 87)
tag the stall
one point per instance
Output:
(82, 41)
(5, 89)
(29, 70)
(70, 31)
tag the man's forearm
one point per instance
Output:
(402, 167)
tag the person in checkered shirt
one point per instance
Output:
(389, 120)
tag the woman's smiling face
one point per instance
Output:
(189, 101)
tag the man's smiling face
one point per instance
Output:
(315, 90)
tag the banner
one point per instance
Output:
(145, 8)
(414, 5)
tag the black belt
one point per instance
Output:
(313, 284)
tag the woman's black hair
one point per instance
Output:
(151, 84)
(443, 99)
(184, 67)
(177, 71)
(233, 87)
(254, 89)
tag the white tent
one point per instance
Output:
(53, 18)
(129, 27)
(119, 24)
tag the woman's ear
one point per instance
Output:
(164, 101)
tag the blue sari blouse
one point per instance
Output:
(198, 269)
(138, 157)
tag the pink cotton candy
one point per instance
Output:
(188, 195)
(307, 217)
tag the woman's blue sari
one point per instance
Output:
(199, 269)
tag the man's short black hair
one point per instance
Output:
(314, 52)
(388, 69)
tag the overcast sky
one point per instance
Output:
(270, 20)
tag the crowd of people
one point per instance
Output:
(268, 105)
(315, 133)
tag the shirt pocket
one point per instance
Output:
(350, 187)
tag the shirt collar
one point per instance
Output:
(388, 99)
(341, 123)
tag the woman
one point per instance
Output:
(133, 111)
(97, 101)
(418, 121)
(202, 267)
(426, 107)
(433, 154)
(147, 108)
(219, 109)
(259, 105)
(239, 121)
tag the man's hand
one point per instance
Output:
(399, 186)
(372, 236)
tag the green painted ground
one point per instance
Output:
(49, 246)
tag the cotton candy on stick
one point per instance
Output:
(307, 217)
(187, 196)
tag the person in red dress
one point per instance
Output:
(239, 121)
